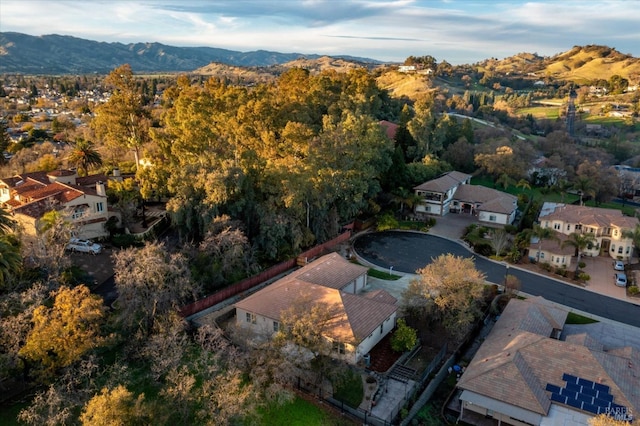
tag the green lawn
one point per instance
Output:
(383, 275)
(549, 112)
(298, 413)
(573, 318)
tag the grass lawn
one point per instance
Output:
(383, 275)
(573, 318)
(549, 112)
(298, 413)
(9, 414)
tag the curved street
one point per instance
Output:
(409, 251)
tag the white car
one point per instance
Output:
(618, 265)
(620, 279)
(84, 246)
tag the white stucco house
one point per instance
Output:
(609, 228)
(360, 319)
(82, 200)
(453, 193)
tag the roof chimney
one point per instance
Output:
(100, 189)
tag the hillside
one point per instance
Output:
(56, 54)
(580, 64)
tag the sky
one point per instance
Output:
(458, 31)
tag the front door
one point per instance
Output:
(604, 247)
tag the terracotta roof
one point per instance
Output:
(518, 359)
(444, 182)
(61, 172)
(595, 217)
(491, 200)
(332, 271)
(356, 317)
(389, 128)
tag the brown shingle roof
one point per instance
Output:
(444, 182)
(595, 217)
(331, 270)
(518, 359)
(491, 200)
(357, 317)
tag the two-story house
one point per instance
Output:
(609, 228)
(360, 319)
(82, 200)
(452, 192)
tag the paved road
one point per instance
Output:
(407, 252)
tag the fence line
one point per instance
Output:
(255, 280)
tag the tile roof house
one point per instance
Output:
(360, 320)
(30, 195)
(523, 374)
(452, 192)
(608, 227)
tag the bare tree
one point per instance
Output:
(499, 240)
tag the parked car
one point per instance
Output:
(84, 246)
(620, 279)
(618, 265)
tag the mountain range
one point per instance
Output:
(59, 54)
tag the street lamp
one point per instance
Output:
(390, 269)
(506, 275)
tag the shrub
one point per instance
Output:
(583, 276)
(581, 265)
(431, 222)
(633, 290)
(387, 221)
(404, 337)
(546, 266)
(511, 229)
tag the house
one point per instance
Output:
(360, 319)
(452, 192)
(608, 227)
(529, 372)
(82, 199)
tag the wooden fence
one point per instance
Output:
(255, 280)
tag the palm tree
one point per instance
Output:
(504, 180)
(580, 242)
(6, 223)
(540, 233)
(404, 197)
(524, 184)
(10, 260)
(84, 155)
(584, 186)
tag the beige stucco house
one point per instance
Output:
(453, 193)
(360, 319)
(528, 371)
(608, 227)
(82, 200)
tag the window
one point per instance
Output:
(492, 218)
(251, 318)
(339, 347)
(627, 251)
(615, 232)
(578, 227)
(77, 213)
(620, 250)
(613, 248)
(99, 207)
(541, 255)
(568, 227)
(276, 326)
(381, 328)
(556, 226)
(427, 208)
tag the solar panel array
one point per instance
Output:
(585, 395)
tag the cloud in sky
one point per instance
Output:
(459, 31)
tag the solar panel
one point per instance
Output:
(585, 395)
(585, 383)
(601, 388)
(553, 388)
(559, 398)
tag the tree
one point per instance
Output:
(608, 420)
(634, 234)
(63, 333)
(404, 338)
(6, 222)
(499, 240)
(584, 186)
(115, 407)
(150, 282)
(10, 259)
(539, 234)
(83, 155)
(122, 122)
(580, 241)
(447, 289)
(523, 184)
